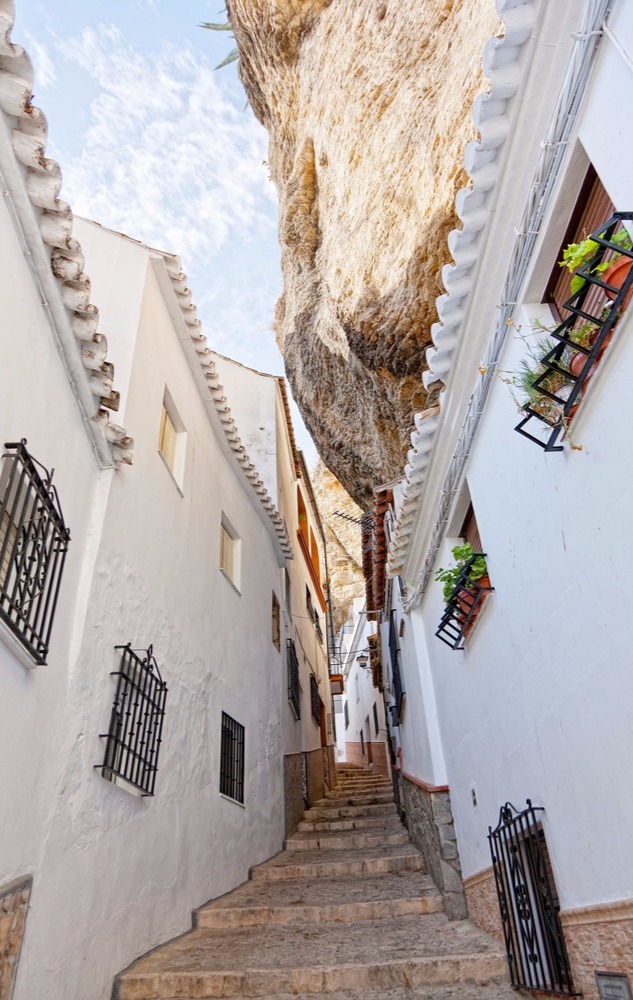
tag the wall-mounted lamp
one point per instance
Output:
(362, 660)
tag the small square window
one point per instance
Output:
(276, 624)
(172, 440)
(230, 552)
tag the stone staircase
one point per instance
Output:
(346, 910)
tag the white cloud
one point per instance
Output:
(43, 66)
(166, 156)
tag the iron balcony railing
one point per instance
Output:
(294, 687)
(463, 606)
(315, 701)
(528, 903)
(595, 308)
(396, 673)
(136, 722)
(33, 546)
(232, 759)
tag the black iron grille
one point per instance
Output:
(232, 759)
(315, 701)
(396, 673)
(33, 545)
(595, 308)
(463, 606)
(136, 723)
(528, 902)
(294, 687)
(346, 711)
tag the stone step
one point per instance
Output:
(352, 799)
(463, 991)
(309, 901)
(363, 786)
(335, 841)
(364, 861)
(331, 810)
(385, 821)
(411, 951)
(342, 793)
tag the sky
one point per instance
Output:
(152, 141)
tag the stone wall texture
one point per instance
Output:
(340, 517)
(14, 904)
(483, 904)
(293, 791)
(599, 939)
(368, 108)
(429, 820)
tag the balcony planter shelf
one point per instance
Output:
(554, 410)
(463, 606)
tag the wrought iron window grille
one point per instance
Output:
(294, 687)
(396, 673)
(528, 902)
(586, 306)
(33, 545)
(232, 759)
(136, 722)
(315, 701)
(463, 606)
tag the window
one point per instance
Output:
(294, 687)
(136, 722)
(314, 556)
(302, 517)
(362, 743)
(230, 546)
(315, 701)
(172, 439)
(468, 586)
(33, 545)
(232, 759)
(376, 726)
(346, 715)
(276, 623)
(396, 674)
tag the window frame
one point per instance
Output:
(230, 554)
(232, 759)
(174, 463)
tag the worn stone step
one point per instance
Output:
(411, 951)
(363, 787)
(382, 794)
(344, 840)
(367, 861)
(462, 991)
(385, 821)
(373, 799)
(333, 811)
(309, 901)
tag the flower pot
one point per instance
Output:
(467, 599)
(577, 363)
(616, 274)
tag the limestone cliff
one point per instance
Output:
(340, 517)
(368, 106)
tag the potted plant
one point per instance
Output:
(612, 271)
(530, 370)
(478, 572)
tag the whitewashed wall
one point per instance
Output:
(539, 704)
(103, 860)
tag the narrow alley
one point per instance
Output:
(346, 910)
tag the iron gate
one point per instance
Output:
(529, 906)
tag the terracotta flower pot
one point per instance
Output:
(616, 274)
(577, 363)
(466, 602)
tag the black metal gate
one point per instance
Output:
(528, 902)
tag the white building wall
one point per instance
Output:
(102, 858)
(538, 705)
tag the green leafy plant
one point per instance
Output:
(531, 369)
(576, 255)
(450, 577)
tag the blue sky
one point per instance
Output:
(153, 142)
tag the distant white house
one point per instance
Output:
(260, 404)
(144, 710)
(510, 694)
(360, 720)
